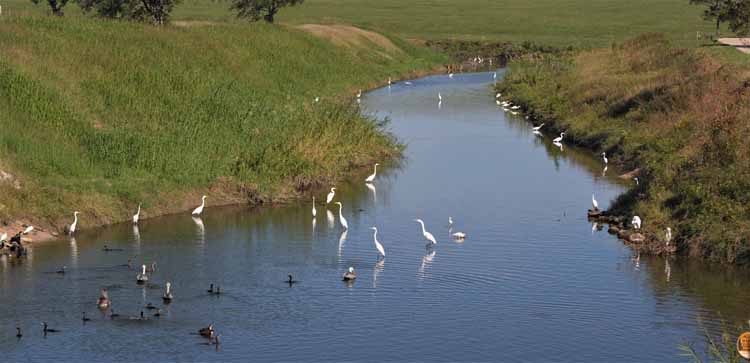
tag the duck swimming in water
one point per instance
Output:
(84, 319)
(18, 332)
(291, 281)
(61, 271)
(210, 289)
(207, 331)
(47, 329)
(167, 298)
(157, 314)
(350, 275)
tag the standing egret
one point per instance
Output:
(494, 75)
(450, 75)
(636, 222)
(373, 175)
(330, 196)
(199, 210)
(426, 234)
(636, 180)
(389, 81)
(141, 278)
(498, 95)
(28, 230)
(450, 221)
(604, 158)
(167, 298)
(557, 140)
(440, 97)
(314, 212)
(75, 222)
(537, 128)
(594, 202)
(4, 237)
(359, 94)
(341, 217)
(377, 244)
(137, 215)
(497, 102)
(668, 236)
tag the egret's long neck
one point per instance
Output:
(203, 202)
(143, 269)
(340, 207)
(422, 224)
(139, 209)
(75, 218)
(375, 235)
(168, 286)
(376, 169)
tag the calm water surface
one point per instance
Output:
(532, 282)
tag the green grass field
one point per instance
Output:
(100, 115)
(582, 23)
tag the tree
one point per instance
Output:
(715, 9)
(55, 5)
(153, 11)
(254, 10)
(739, 17)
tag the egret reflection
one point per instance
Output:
(377, 269)
(201, 229)
(374, 192)
(330, 218)
(427, 260)
(342, 239)
(73, 252)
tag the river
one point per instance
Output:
(532, 282)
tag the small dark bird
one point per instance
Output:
(61, 271)
(291, 281)
(18, 332)
(218, 290)
(157, 314)
(84, 318)
(48, 330)
(112, 314)
(142, 317)
(207, 331)
(210, 289)
(150, 306)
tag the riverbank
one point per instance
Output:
(677, 114)
(103, 116)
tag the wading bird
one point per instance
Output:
(314, 212)
(668, 236)
(3, 237)
(559, 139)
(537, 128)
(141, 278)
(103, 302)
(373, 175)
(341, 217)
(377, 244)
(636, 180)
(427, 235)
(28, 230)
(137, 215)
(594, 202)
(636, 222)
(74, 224)
(460, 236)
(604, 158)
(167, 298)
(330, 196)
(199, 210)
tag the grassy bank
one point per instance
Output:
(99, 116)
(678, 114)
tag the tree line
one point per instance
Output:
(158, 11)
(735, 13)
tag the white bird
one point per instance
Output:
(459, 236)
(4, 237)
(141, 278)
(75, 222)
(359, 94)
(636, 222)
(341, 217)
(330, 196)
(514, 113)
(314, 212)
(317, 99)
(199, 210)
(604, 158)
(372, 176)
(668, 235)
(408, 83)
(137, 215)
(28, 230)
(559, 139)
(516, 107)
(594, 202)
(497, 102)
(377, 244)
(450, 75)
(440, 97)
(426, 234)
(537, 128)
(167, 298)
(450, 221)
(498, 95)
(494, 75)
(636, 180)
(389, 81)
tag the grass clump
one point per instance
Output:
(100, 116)
(677, 114)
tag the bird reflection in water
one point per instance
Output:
(667, 269)
(201, 229)
(427, 260)
(373, 190)
(73, 252)
(136, 238)
(342, 239)
(330, 218)
(376, 270)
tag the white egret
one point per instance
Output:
(3, 237)
(514, 113)
(559, 139)
(317, 99)
(199, 210)
(668, 236)
(359, 94)
(341, 217)
(330, 196)
(440, 97)
(494, 75)
(537, 128)
(389, 81)
(137, 215)
(497, 102)
(167, 298)
(377, 244)
(408, 83)
(450, 221)
(141, 278)
(450, 75)
(28, 230)
(604, 158)
(636, 180)
(372, 176)
(516, 107)
(594, 202)
(498, 95)
(636, 222)
(459, 236)
(426, 234)
(74, 224)
(314, 212)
